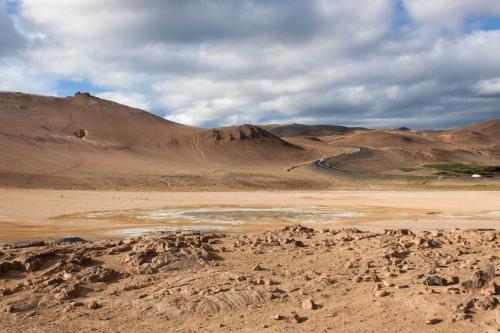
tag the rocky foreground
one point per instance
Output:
(292, 280)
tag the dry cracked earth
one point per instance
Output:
(295, 279)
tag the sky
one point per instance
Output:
(374, 63)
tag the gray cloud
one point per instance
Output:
(10, 39)
(216, 62)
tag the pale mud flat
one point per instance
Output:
(48, 214)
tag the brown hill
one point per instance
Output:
(75, 140)
(41, 116)
(387, 150)
(84, 141)
(489, 128)
(385, 139)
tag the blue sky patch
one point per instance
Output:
(482, 23)
(68, 87)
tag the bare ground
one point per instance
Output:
(350, 275)
(294, 279)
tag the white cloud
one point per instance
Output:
(488, 87)
(449, 14)
(131, 99)
(208, 62)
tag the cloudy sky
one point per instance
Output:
(374, 63)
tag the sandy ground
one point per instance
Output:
(47, 214)
(261, 274)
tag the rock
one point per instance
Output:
(480, 278)
(67, 292)
(269, 282)
(490, 289)
(435, 280)
(399, 232)
(69, 239)
(119, 249)
(82, 94)
(308, 304)
(490, 236)
(257, 268)
(141, 257)
(432, 321)
(33, 265)
(94, 305)
(401, 286)
(81, 133)
(79, 259)
(381, 293)
(298, 243)
(297, 319)
(387, 283)
(98, 274)
(485, 303)
(278, 317)
(451, 279)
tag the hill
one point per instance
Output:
(87, 142)
(123, 146)
(292, 130)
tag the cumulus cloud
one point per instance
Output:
(132, 99)
(449, 14)
(488, 87)
(213, 62)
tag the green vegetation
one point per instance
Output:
(467, 169)
(408, 169)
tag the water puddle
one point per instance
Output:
(244, 215)
(493, 214)
(220, 218)
(135, 222)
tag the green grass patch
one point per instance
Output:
(408, 169)
(466, 169)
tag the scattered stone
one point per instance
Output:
(94, 305)
(387, 283)
(170, 269)
(381, 293)
(486, 303)
(81, 133)
(480, 279)
(451, 280)
(435, 280)
(269, 282)
(297, 319)
(432, 321)
(401, 286)
(308, 304)
(257, 268)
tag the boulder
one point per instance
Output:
(81, 133)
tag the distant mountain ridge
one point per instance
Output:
(291, 130)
